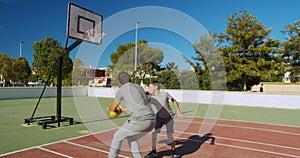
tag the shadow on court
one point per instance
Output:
(188, 146)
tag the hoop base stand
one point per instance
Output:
(45, 120)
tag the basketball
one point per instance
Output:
(114, 110)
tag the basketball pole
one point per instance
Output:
(59, 77)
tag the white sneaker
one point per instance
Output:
(174, 155)
(152, 154)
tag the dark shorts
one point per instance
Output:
(169, 122)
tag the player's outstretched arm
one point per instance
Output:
(178, 111)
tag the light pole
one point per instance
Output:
(21, 49)
(136, 36)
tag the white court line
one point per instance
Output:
(13, 152)
(266, 144)
(17, 151)
(244, 141)
(259, 150)
(262, 123)
(290, 133)
(54, 152)
(240, 147)
(91, 148)
(261, 129)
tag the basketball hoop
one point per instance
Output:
(84, 25)
(93, 35)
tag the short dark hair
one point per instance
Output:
(156, 83)
(124, 77)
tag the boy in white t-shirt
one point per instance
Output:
(164, 116)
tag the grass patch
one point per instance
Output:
(279, 116)
(15, 136)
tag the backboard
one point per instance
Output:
(84, 24)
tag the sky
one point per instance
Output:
(171, 25)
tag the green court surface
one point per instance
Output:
(16, 135)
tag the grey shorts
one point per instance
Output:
(169, 122)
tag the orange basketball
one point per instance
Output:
(114, 110)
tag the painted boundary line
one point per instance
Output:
(246, 141)
(54, 152)
(258, 150)
(238, 147)
(242, 121)
(239, 140)
(40, 146)
(254, 128)
(91, 148)
(17, 151)
(266, 144)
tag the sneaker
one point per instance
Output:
(152, 154)
(174, 155)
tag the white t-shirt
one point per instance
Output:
(136, 101)
(163, 109)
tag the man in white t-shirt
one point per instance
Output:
(141, 119)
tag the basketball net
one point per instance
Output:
(93, 36)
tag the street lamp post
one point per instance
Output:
(136, 36)
(21, 49)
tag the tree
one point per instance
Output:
(169, 79)
(147, 60)
(23, 70)
(246, 43)
(208, 64)
(188, 80)
(6, 67)
(78, 73)
(145, 54)
(203, 77)
(12, 69)
(147, 69)
(46, 54)
(292, 48)
(171, 65)
(122, 49)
